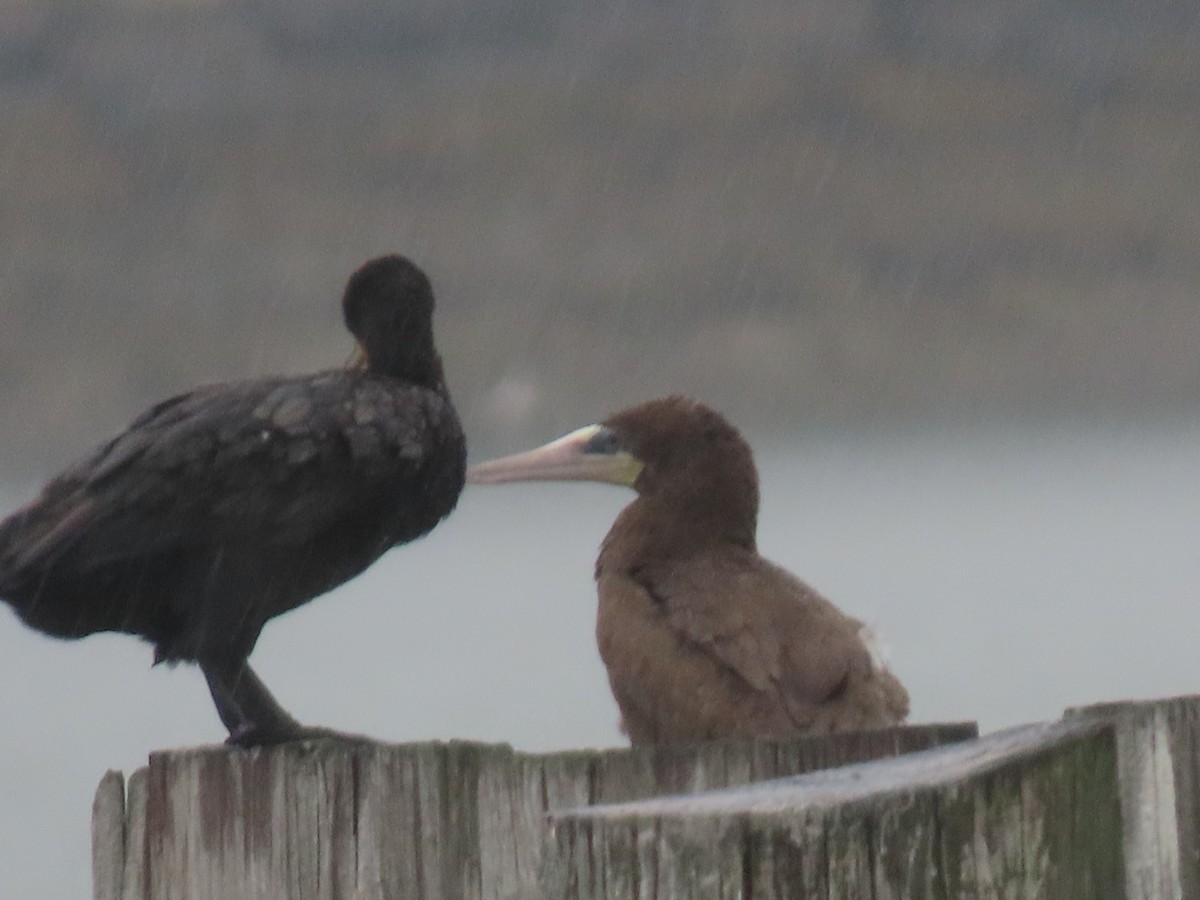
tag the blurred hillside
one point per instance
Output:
(823, 211)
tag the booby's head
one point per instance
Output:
(388, 307)
(671, 446)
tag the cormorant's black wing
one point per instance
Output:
(277, 461)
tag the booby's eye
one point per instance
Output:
(605, 441)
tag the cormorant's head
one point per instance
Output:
(388, 307)
(672, 447)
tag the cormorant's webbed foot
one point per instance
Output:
(249, 712)
(252, 715)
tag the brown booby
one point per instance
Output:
(221, 508)
(702, 637)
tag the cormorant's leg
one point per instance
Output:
(259, 706)
(247, 709)
(231, 715)
(251, 714)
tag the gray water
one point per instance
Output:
(1013, 573)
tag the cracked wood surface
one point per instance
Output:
(1102, 804)
(332, 820)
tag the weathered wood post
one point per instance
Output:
(332, 820)
(1103, 804)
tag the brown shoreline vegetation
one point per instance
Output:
(815, 213)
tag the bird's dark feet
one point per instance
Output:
(250, 735)
(252, 716)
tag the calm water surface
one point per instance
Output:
(1012, 573)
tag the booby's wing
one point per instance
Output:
(768, 627)
(280, 460)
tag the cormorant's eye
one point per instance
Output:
(604, 441)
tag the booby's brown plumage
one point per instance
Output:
(221, 508)
(702, 637)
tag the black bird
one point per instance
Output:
(221, 508)
(701, 636)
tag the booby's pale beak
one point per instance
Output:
(592, 453)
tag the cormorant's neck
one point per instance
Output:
(424, 369)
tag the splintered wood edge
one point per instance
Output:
(942, 732)
(937, 767)
(108, 836)
(321, 746)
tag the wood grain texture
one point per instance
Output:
(108, 837)
(325, 820)
(1030, 812)
(1159, 752)
(1100, 805)
(1104, 804)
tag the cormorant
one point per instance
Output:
(701, 636)
(221, 508)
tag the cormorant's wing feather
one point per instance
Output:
(216, 461)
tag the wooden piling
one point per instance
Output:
(1100, 805)
(326, 819)
(1103, 804)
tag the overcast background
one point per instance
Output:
(937, 259)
